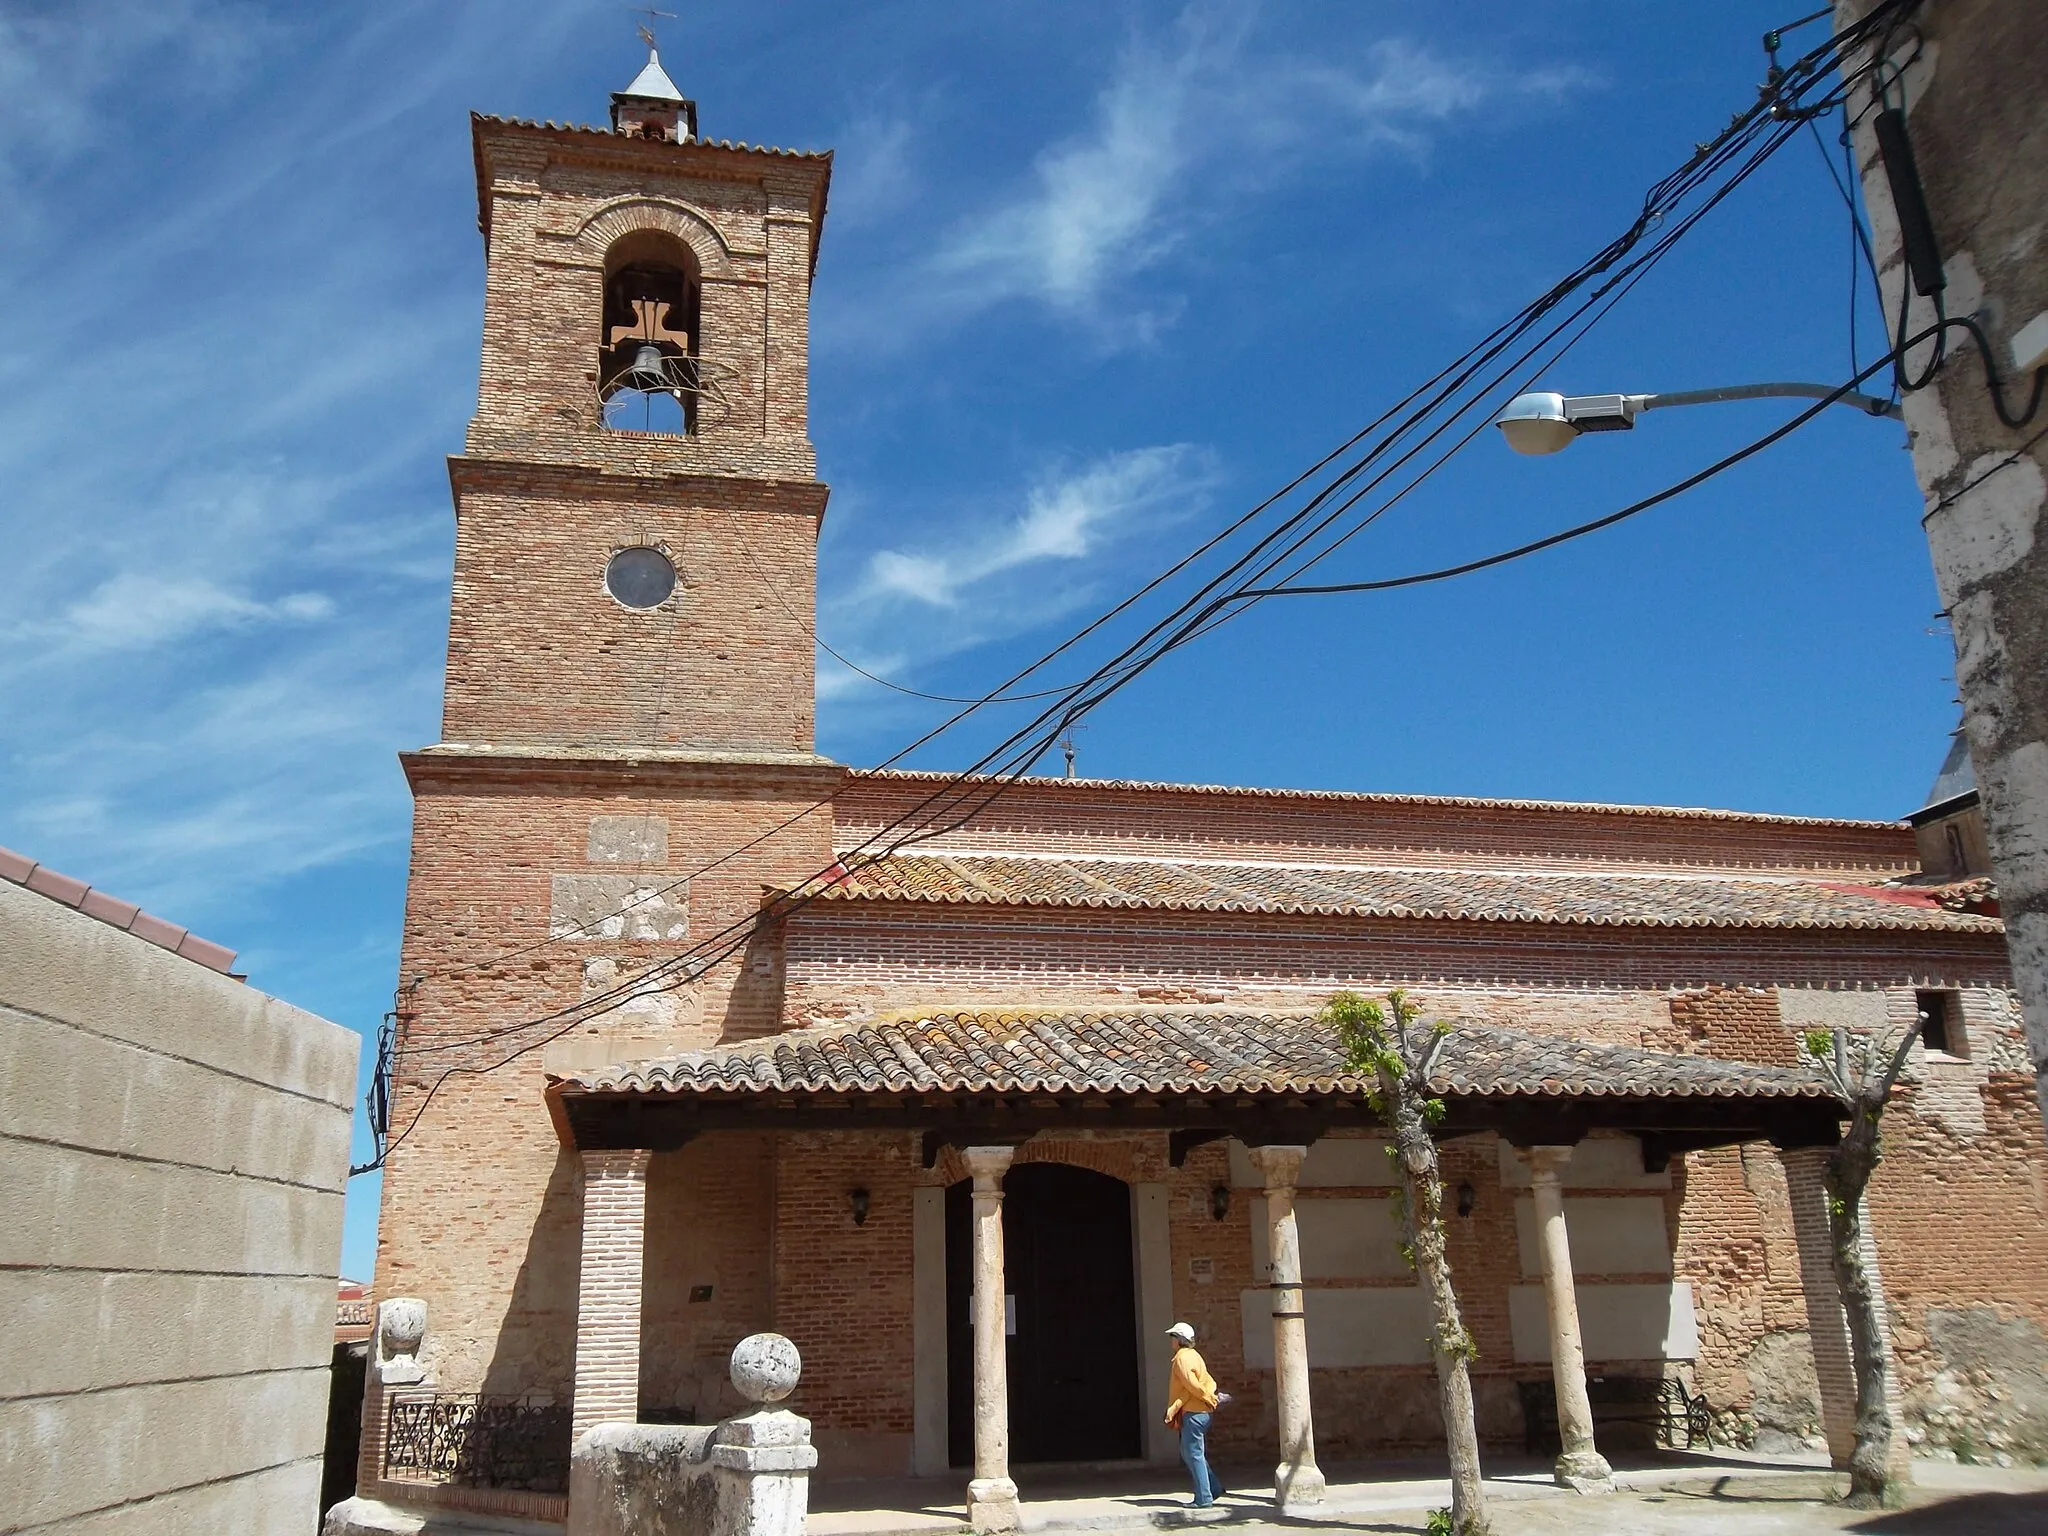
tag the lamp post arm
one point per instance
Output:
(1870, 405)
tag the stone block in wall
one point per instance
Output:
(637, 839)
(617, 907)
(1609, 1235)
(1347, 1326)
(1340, 1239)
(1616, 1322)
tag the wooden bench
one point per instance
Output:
(1675, 1417)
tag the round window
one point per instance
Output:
(640, 577)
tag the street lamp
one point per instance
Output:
(1547, 423)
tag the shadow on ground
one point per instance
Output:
(1969, 1514)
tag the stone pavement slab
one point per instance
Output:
(1714, 1494)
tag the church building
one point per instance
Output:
(678, 1060)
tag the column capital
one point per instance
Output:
(988, 1164)
(1281, 1165)
(1546, 1163)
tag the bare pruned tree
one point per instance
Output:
(1862, 1071)
(1386, 1046)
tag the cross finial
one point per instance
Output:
(646, 28)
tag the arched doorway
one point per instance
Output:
(1073, 1357)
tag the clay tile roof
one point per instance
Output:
(1372, 797)
(1171, 1053)
(24, 871)
(1623, 900)
(606, 133)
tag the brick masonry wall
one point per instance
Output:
(851, 961)
(608, 1285)
(540, 655)
(1053, 817)
(555, 203)
(843, 1291)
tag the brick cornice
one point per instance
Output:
(535, 770)
(490, 472)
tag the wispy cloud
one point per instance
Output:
(1208, 108)
(1020, 569)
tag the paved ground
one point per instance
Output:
(1707, 1495)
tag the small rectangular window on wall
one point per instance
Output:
(1941, 1023)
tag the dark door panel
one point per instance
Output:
(1073, 1361)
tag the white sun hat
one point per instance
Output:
(1183, 1331)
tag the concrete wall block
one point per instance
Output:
(63, 964)
(69, 1456)
(90, 1211)
(278, 1499)
(62, 1084)
(72, 1331)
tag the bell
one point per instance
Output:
(649, 369)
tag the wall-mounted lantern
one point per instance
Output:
(859, 1201)
(1219, 1201)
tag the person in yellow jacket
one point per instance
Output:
(1191, 1396)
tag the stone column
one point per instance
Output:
(1833, 1365)
(1581, 1467)
(608, 1290)
(1297, 1480)
(991, 1496)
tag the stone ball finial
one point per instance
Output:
(402, 1321)
(765, 1367)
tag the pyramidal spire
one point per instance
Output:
(651, 107)
(653, 83)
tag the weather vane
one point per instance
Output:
(646, 30)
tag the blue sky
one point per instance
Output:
(1095, 276)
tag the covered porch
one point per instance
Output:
(981, 1097)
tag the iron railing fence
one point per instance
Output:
(478, 1440)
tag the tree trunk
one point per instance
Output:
(1449, 1342)
(1848, 1175)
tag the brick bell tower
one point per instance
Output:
(637, 504)
(625, 763)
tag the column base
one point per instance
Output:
(1294, 1485)
(991, 1505)
(1584, 1472)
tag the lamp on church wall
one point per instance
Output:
(858, 1201)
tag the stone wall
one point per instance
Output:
(1969, 76)
(173, 1149)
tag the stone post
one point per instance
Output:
(991, 1496)
(1833, 1365)
(394, 1367)
(747, 1476)
(608, 1290)
(1580, 1467)
(1297, 1480)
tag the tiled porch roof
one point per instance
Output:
(1624, 900)
(1179, 1052)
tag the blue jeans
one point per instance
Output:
(1194, 1451)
